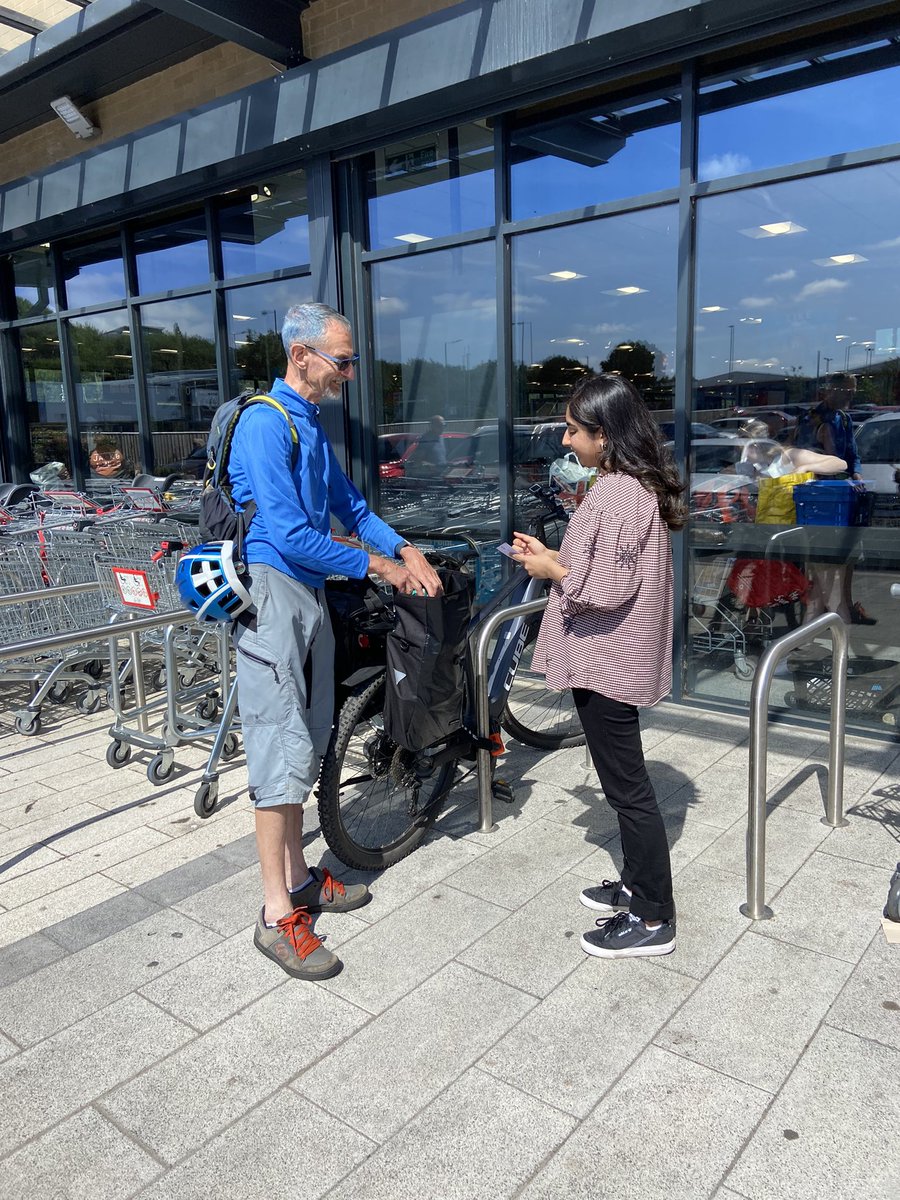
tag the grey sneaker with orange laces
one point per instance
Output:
(293, 945)
(327, 894)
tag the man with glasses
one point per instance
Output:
(285, 647)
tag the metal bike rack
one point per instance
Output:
(756, 908)
(482, 703)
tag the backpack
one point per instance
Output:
(219, 521)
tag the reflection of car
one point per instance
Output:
(397, 452)
(193, 466)
(878, 445)
(729, 456)
(726, 425)
(699, 429)
(534, 449)
(776, 420)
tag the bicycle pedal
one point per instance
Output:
(501, 790)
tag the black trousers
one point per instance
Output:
(613, 735)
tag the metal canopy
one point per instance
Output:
(271, 29)
(20, 21)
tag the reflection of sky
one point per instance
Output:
(279, 249)
(173, 267)
(814, 123)
(784, 305)
(633, 250)
(647, 163)
(438, 306)
(96, 283)
(192, 314)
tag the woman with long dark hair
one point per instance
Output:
(607, 635)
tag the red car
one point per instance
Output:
(397, 451)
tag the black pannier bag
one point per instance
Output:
(426, 653)
(360, 619)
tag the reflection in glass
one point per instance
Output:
(266, 227)
(796, 282)
(105, 396)
(739, 134)
(33, 280)
(173, 255)
(430, 185)
(94, 273)
(255, 315)
(564, 163)
(435, 382)
(45, 400)
(182, 384)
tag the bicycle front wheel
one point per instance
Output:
(535, 715)
(373, 807)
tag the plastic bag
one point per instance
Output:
(775, 504)
(571, 477)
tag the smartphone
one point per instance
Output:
(506, 548)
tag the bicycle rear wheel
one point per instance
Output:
(534, 714)
(373, 808)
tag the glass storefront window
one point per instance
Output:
(805, 120)
(94, 273)
(45, 400)
(564, 163)
(182, 384)
(33, 282)
(255, 316)
(266, 227)
(105, 396)
(173, 255)
(430, 185)
(797, 344)
(435, 390)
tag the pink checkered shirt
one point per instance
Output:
(608, 625)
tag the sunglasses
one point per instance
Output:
(342, 364)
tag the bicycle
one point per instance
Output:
(376, 800)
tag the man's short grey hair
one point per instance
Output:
(307, 323)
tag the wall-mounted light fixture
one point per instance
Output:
(69, 112)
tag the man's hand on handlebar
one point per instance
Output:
(405, 577)
(425, 580)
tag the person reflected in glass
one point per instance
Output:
(107, 460)
(607, 634)
(430, 451)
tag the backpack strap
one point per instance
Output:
(220, 471)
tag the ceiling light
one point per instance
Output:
(565, 275)
(45, 245)
(71, 115)
(121, 356)
(263, 193)
(839, 260)
(774, 229)
(841, 337)
(238, 317)
(165, 350)
(631, 290)
(569, 341)
(751, 320)
(412, 238)
(713, 308)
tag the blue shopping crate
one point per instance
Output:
(828, 502)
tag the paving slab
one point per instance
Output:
(853, 892)
(388, 959)
(100, 921)
(536, 947)
(869, 1005)
(872, 834)
(709, 920)
(85, 1156)
(213, 834)
(403, 1058)
(7, 1048)
(182, 882)
(668, 1128)
(479, 1133)
(791, 837)
(760, 986)
(46, 910)
(524, 865)
(233, 1067)
(227, 905)
(317, 1151)
(574, 1045)
(68, 1071)
(832, 1131)
(26, 956)
(68, 990)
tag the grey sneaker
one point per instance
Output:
(328, 894)
(626, 936)
(294, 946)
(609, 897)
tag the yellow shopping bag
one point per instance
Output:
(775, 505)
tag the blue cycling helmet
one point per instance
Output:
(209, 582)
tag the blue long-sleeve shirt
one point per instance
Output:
(291, 529)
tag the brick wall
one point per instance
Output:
(330, 25)
(214, 73)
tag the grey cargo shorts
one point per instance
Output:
(285, 676)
